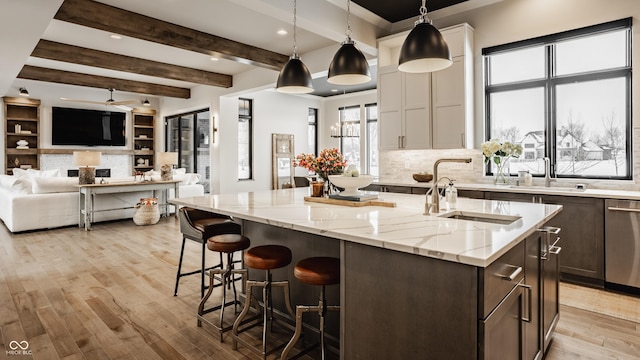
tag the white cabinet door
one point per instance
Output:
(417, 111)
(449, 111)
(390, 108)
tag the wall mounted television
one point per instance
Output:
(87, 127)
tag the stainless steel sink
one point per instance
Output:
(481, 217)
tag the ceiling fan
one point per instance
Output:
(110, 101)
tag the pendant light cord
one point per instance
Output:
(295, 45)
(348, 33)
(423, 14)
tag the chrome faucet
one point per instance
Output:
(547, 172)
(434, 207)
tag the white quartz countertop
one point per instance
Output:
(403, 228)
(535, 189)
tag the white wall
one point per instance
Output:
(273, 113)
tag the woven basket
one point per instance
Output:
(146, 213)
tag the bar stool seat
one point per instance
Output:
(224, 244)
(267, 258)
(320, 271)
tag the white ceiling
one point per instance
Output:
(321, 24)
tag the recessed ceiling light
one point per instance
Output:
(334, 90)
(282, 32)
(214, 59)
(115, 36)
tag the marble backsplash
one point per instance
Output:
(397, 166)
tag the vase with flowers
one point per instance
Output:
(328, 162)
(499, 153)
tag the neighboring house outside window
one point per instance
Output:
(565, 96)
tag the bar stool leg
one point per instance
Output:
(175, 291)
(321, 309)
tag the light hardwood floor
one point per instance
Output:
(107, 294)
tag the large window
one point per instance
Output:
(371, 113)
(567, 97)
(350, 133)
(245, 138)
(312, 137)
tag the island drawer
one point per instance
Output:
(499, 278)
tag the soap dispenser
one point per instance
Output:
(451, 196)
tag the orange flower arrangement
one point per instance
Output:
(329, 162)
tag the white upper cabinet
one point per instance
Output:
(430, 110)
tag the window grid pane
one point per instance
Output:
(578, 114)
(245, 139)
(350, 131)
(373, 167)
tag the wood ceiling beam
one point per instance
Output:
(108, 18)
(102, 82)
(78, 55)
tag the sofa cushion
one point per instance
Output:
(16, 184)
(33, 173)
(46, 185)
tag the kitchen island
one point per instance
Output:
(412, 285)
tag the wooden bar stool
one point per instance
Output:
(314, 271)
(265, 257)
(199, 225)
(224, 244)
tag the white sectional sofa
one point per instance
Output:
(33, 199)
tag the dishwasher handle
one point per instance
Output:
(616, 208)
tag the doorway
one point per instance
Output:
(189, 135)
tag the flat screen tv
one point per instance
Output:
(87, 127)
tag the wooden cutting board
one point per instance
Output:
(349, 203)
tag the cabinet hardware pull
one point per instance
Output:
(513, 275)
(462, 139)
(399, 142)
(613, 208)
(555, 250)
(529, 304)
(404, 143)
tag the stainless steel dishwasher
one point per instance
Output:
(622, 242)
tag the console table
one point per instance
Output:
(87, 191)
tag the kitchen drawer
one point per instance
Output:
(499, 278)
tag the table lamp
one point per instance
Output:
(86, 161)
(166, 161)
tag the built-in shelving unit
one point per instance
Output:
(22, 122)
(143, 144)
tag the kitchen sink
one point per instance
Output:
(481, 217)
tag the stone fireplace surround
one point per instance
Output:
(120, 165)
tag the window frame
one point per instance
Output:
(368, 146)
(249, 119)
(313, 112)
(551, 81)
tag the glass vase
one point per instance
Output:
(501, 172)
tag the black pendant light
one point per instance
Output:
(424, 49)
(294, 77)
(349, 66)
